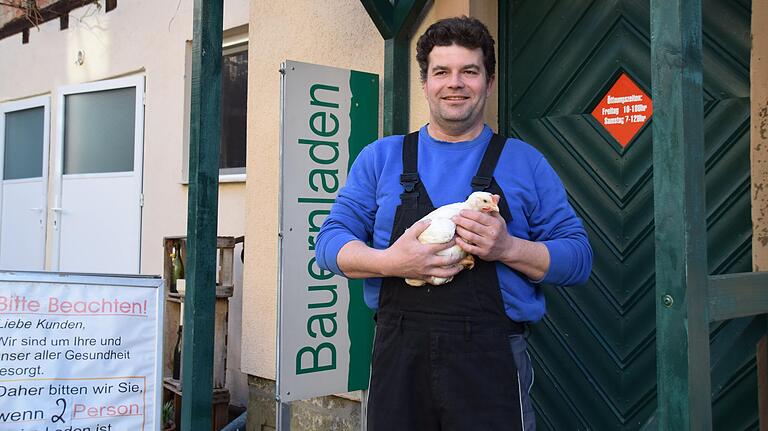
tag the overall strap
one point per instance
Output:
(414, 192)
(410, 176)
(482, 180)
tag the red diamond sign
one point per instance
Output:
(624, 110)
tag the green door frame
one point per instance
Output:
(202, 215)
(687, 299)
(395, 23)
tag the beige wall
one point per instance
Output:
(759, 135)
(331, 33)
(308, 31)
(145, 38)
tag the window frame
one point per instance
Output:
(21, 105)
(236, 42)
(43, 101)
(136, 81)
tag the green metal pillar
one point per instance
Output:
(395, 23)
(682, 321)
(396, 88)
(200, 299)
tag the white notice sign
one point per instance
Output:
(79, 353)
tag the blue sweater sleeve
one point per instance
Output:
(352, 215)
(554, 223)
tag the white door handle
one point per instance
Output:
(57, 209)
(36, 209)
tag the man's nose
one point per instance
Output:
(456, 81)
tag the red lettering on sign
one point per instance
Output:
(624, 110)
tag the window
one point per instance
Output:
(99, 131)
(234, 93)
(24, 130)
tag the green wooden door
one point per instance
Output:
(594, 353)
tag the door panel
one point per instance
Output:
(22, 238)
(99, 227)
(594, 352)
(24, 135)
(98, 212)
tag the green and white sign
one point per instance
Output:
(325, 330)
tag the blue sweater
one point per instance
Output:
(366, 205)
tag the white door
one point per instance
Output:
(97, 216)
(24, 131)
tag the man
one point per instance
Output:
(453, 357)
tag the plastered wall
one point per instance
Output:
(331, 33)
(308, 31)
(145, 38)
(759, 135)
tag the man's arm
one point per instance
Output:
(406, 258)
(557, 250)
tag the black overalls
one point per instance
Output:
(441, 357)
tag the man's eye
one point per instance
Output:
(471, 72)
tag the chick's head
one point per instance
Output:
(483, 201)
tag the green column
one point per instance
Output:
(200, 300)
(395, 23)
(396, 89)
(682, 322)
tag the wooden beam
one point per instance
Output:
(737, 295)
(55, 10)
(682, 323)
(205, 133)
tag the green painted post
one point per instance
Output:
(396, 88)
(200, 299)
(682, 322)
(395, 23)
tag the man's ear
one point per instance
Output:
(491, 83)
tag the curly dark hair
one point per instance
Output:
(464, 31)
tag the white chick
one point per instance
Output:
(442, 229)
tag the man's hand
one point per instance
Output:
(486, 236)
(409, 258)
(483, 234)
(406, 258)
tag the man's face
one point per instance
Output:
(456, 88)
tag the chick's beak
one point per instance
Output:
(494, 206)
